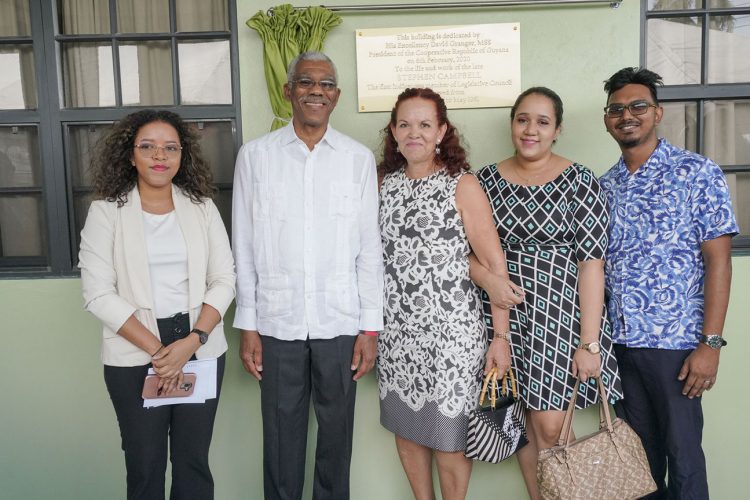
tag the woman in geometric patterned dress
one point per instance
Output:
(552, 217)
(432, 349)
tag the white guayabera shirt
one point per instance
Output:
(306, 238)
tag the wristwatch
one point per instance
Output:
(712, 340)
(592, 347)
(202, 336)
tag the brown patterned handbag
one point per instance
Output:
(607, 465)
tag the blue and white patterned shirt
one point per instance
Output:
(660, 216)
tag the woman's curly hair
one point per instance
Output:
(114, 175)
(452, 156)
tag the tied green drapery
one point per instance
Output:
(286, 34)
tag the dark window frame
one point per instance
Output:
(700, 93)
(52, 120)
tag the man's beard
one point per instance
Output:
(629, 143)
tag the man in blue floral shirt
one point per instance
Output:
(668, 274)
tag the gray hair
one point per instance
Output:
(309, 56)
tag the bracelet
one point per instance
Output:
(504, 336)
(157, 351)
(370, 333)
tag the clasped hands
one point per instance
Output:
(169, 360)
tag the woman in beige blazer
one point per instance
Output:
(157, 270)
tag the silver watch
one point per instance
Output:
(712, 340)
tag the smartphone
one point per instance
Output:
(151, 384)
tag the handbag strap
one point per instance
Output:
(604, 415)
(504, 384)
(491, 376)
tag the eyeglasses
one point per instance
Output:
(149, 150)
(307, 83)
(635, 108)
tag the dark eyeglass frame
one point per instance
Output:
(149, 150)
(309, 83)
(635, 108)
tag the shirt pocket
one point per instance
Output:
(274, 296)
(341, 296)
(344, 200)
(269, 201)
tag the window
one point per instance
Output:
(70, 68)
(700, 48)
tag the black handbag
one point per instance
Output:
(499, 430)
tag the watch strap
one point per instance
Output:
(202, 336)
(713, 341)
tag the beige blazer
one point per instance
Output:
(115, 277)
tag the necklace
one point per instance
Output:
(527, 179)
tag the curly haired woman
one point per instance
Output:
(157, 270)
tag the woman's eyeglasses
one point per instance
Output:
(635, 108)
(149, 150)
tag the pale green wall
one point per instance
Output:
(58, 432)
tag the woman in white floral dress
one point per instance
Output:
(433, 213)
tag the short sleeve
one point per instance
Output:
(591, 216)
(711, 203)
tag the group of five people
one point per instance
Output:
(436, 273)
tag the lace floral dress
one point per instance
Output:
(431, 353)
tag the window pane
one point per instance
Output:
(674, 4)
(202, 15)
(223, 201)
(83, 17)
(17, 78)
(678, 125)
(217, 145)
(81, 202)
(143, 16)
(82, 140)
(739, 187)
(728, 4)
(87, 75)
(146, 73)
(727, 137)
(14, 18)
(729, 49)
(205, 72)
(22, 226)
(674, 49)
(20, 163)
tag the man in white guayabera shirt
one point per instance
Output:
(309, 281)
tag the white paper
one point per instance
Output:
(205, 384)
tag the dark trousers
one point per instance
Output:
(146, 433)
(293, 371)
(669, 424)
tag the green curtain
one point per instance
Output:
(285, 34)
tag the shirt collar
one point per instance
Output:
(332, 137)
(653, 165)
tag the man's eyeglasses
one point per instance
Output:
(307, 83)
(149, 150)
(636, 108)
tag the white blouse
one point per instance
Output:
(167, 263)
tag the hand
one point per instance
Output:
(699, 371)
(504, 293)
(251, 353)
(586, 364)
(498, 356)
(168, 362)
(365, 350)
(168, 386)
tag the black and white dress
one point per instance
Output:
(431, 353)
(545, 230)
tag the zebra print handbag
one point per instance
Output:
(498, 431)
